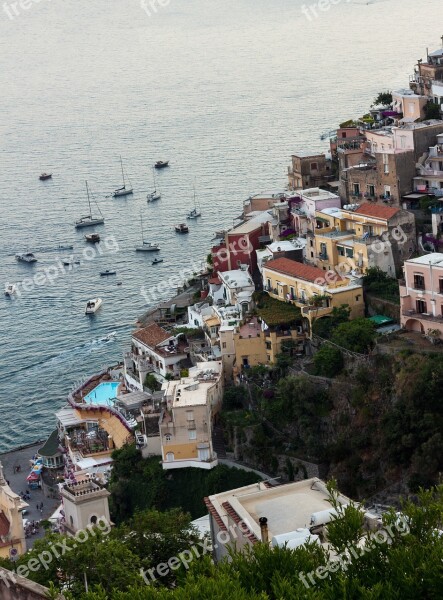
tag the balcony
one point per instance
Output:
(323, 256)
(190, 424)
(315, 311)
(413, 314)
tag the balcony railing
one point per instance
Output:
(419, 315)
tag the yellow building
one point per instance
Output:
(256, 343)
(372, 235)
(12, 535)
(186, 425)
(314, 291)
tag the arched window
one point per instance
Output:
(170, 457)
(93, 519)
(168, 437)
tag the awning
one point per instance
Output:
(380, 320)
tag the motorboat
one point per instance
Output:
(27, 257)
(89, 220)
(69, 263)
(107, 272)
(157, 260)
(161, 164)
(45, 176)
(182, 228)
(92, 237)
(61, 247)
(93, 305)
(109, 337)
(10, 289)
(146, 246)
(119, 282)
(193, 214)
(123, 191)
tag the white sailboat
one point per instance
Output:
(153, 196)
(146, 246)
(195, 212)
(89, 220)
(123, 191)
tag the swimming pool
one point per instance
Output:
(103, 394)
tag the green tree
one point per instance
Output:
(328, 361)
(324, 326)
(383, 99)
(432, 111)
(234, 396)
(152, 383)
(357, 335)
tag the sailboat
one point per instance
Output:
(195, 212)
(153, 196)
(89, 220)
(146, 246)
(123, 191)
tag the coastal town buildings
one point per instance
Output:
(12, 534)
(154, 350)
(421, 295)
(428, 75)
(85, 502)
(314, 291)
(192, 404)
(429, 178)
(309, 170)
(309, 202)
(292, 514)
(355, 239)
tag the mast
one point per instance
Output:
(155, 185)
(89, 200)
(123, 173)
(141, 223)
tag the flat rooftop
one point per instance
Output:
(237, 278)
(287, 507)
(318, 194)
(435, 259)
(252, 224)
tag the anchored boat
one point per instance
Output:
(89, 220)
(27, 257)
(123, 191)
(93, 305)
(161, 164)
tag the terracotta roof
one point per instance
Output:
(377, 210)
(152, 335)
(4, 525)
(214, 513)
(237, 519)
(287, 266)
(215, 280)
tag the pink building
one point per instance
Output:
(421, 294)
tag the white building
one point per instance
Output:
(154, 350)
(238, 288)
(84, 503)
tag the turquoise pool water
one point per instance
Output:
(103, 394)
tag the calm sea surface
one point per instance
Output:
(225, 90)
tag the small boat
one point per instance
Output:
(93, 305)
(109, 337)
(157, 260)
(154, 196)
(195, 212)
(27, 257)
(45, 176)
(61, 247)
(123, 191)
(10, 289)
(69, 263)
(107, 272)
(161, 164)
(182, 228)
(119, 282)
(89, 220)
(146, 246)
(92, 237)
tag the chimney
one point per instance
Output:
(264, 529)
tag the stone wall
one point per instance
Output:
(14, 587)
(378, 306)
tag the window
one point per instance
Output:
(387, 191)
(312, 241)
(419, 282)
(168, 437)
(170, 457)
(421, 306)
(441, 286)
(349, 252)
(93, 519)
(385, 164)
(224, 345)
(356, 187)
(341, 250)
(292, 292)
(192, 434)
(357, 298)
(189, 415)
(314, 166)
(371, 190)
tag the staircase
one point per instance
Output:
(218, 442)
